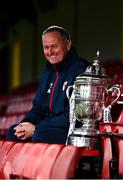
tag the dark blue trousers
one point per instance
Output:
(51, 135)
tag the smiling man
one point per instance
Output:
(48, 120)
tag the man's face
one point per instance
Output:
(55, 47)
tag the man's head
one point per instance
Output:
(56, 43)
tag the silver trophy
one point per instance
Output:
(90, 102)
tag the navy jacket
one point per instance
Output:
(51, 105)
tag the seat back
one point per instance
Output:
(7, 168)
(65, 164)
(48, 160)
(45, 161)
(34, 159)
(118, 140)
(1, 143)
(5, 148)
(120, 119)
(106, 149)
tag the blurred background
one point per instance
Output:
(93, 25)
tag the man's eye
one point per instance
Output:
(46, 47)
(54, 46)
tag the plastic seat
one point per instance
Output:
(5, 148)
(7, 169)
(7, 121)
(120, 119)
(47, 161)
(66, 162)
(1, 143)
(20, 161)
(34, 160)
(118, 140)
(39, 157)
(106, 149)
(19, 106)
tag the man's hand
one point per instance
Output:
(24, 130)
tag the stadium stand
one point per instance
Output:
(54, 161)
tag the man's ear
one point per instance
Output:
(69, 44)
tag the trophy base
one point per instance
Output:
(85, 141)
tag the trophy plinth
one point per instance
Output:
(85, 136)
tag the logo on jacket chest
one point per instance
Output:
(50, 88)
(63, 87)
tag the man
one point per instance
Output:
(48, 120)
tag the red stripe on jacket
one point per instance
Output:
(53, 89)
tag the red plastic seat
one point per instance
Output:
(65, 165)
(120, 119)
(45, 161)
(106, 149)
(20, 161)
(37, 160)
(42, 159)
(118, 140)
(1, 143)
(11, 156)
(5, 148)
(19, 106)
(34, 160)
(7, 121)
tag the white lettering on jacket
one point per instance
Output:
(50, 88)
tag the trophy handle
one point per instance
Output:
(69, 91)
(107, 109)
(72, 119)
(114, 89)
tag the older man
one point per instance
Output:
(48, 120)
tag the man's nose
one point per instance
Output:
(50, 50)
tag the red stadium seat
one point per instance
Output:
(106, 149)
(21, 160)
(1, 143)
(40, 160)
(39, 157)
(44, 161)
(120, 119)
(11, 156)
(7, 121)
(48, 160)
(65, 164)
(34, 159)
(5, 148)
(19, 106)
(118, 140)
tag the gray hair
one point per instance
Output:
(63, 32)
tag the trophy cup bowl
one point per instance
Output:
(89, 100)
(89, 96)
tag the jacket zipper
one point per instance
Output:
(53, 88)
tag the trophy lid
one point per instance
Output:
(94, 73)
(96, 69)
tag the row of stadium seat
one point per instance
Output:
(39, 160)
(13, 108)
(114, 69)
(7, 121)
(16, 104)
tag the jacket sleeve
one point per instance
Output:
(36, 112)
